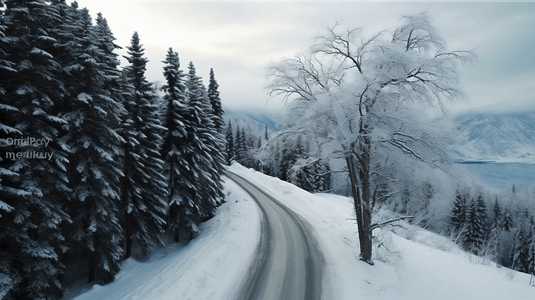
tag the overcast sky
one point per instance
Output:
(239, 39)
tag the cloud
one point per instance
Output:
(239, 39)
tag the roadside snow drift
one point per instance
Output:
(210, 267)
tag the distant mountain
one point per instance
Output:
(254, 123)
(502, 137)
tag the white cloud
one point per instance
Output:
(239, 39)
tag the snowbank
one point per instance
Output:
(209, 267)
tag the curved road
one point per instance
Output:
(288, 263)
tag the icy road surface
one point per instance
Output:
(288, 263)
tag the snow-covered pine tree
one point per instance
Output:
(484, 214)
(458, 214)
(194, 206)
(507, 220)
(239, 150)
(531, 257)
(310, 174)
(497, 222)
(210, 153)
(10, 194)
(177, 169)
(230, 144)
(94, 174)
(247, 148)
(476, 228)
(520, 251)
(33, 191)
(144, 187)
(215, 101)
(215, 140)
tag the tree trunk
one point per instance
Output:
(177, 237)
(128, 232)
(356, 199)
(362, 210)
(364, 176)
(92, 260)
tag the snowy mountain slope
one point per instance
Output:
(502, 137)
(209, 267)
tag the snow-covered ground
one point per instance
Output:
(418, 270)
(211, 266)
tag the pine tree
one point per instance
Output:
(144, 188)
(239, 150)
(266, 134)
(176, 137)
(215, 101)
(497, 224)
(244, 143)
(33, 191)
(230, 144)
(458, 214)
(531, 257)
(476, 228)
(214, 138)
(288, 159)
(507, 220)
(94, 174)
(211, 158)
(246, 146)
(520, 251)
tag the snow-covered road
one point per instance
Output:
(288, 263)
(216, 264)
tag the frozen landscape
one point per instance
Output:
(418, 265)
(313, 151)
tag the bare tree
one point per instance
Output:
(360, 100)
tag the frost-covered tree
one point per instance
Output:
(531, 257)
(290, 152)
(310, 174)
(497, 222)
(93, 116)
(520, 251)
(210, 141)
(215, 101)
(230, 144)
(176, 136)
(507, 220)
(458, 214)
(214, 138)
(33, 191)
(476, 225)
(361, 98)
(201, 162)
(239, 145)
(144, 185)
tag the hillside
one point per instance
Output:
(418, 265)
